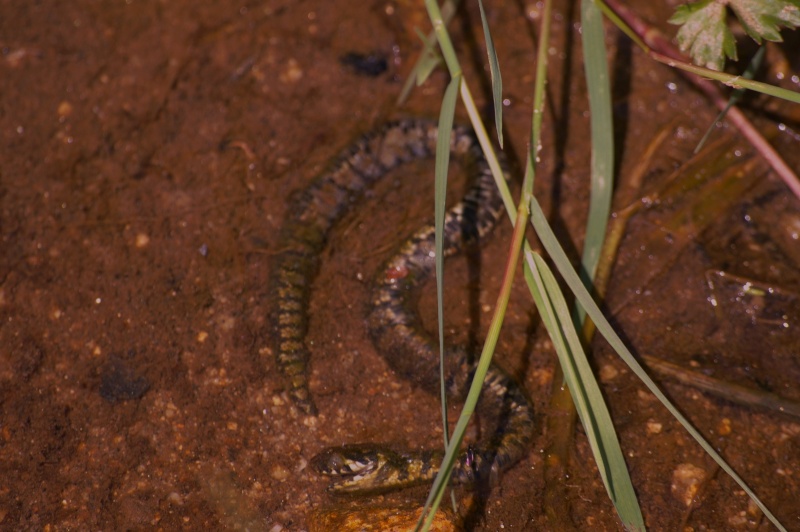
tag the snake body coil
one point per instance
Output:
(394, 326)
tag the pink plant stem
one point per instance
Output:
(663, 51)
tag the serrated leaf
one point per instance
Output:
(684, 12)
(763, 19)
(707, 38)
(704, 34)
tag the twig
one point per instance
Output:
(735, 393)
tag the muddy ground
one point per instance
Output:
(148, 149)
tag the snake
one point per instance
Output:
(394, 326)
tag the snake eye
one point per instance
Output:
(330, 462)
(336, 462)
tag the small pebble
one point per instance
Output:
(654, 427)
(141, 240)
(686, 482)
(175, 498)
(608, 373)
(278, 472)
(64, 110)
(292, 73)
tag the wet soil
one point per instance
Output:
(148, 152)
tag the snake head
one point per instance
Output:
(369, 468)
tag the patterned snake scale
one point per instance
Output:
(394, 327)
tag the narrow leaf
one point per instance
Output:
(423, 63)
(733, 81)
(586, 393)
(751, 70)
(602, 130)
(497, 80)
(446, 117)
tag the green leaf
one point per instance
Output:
(428, 59)
(584, 389)
(446, 118)
(602, 128)
(762, 19)
(497, 79)
(704, 34)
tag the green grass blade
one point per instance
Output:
(438, 19)
(488, 150)
(453, 66)
(737, 82)
(573, 280)
(428, 59)
(749, 72)
(602, 130)
(622, 25)
(561, 261)
(538, 98)
(497, 80)
(585, 391)
(445, 43)
(443, 477)
(440, 483)
(446, 116)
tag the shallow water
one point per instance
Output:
(149, 152)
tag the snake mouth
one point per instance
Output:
(358, 468)
(345, 461)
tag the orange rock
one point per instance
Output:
(375, 518)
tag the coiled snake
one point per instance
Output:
(394, 326)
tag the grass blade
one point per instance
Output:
(749, 72)
(497, 80)
(538, 98)
(427, 63)
(453, 66)
(569, 342)
(422, 68)
(602, 131)
(446, 116)
(561, 261)
(443, 477)
(585, 391)
(737, 82)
